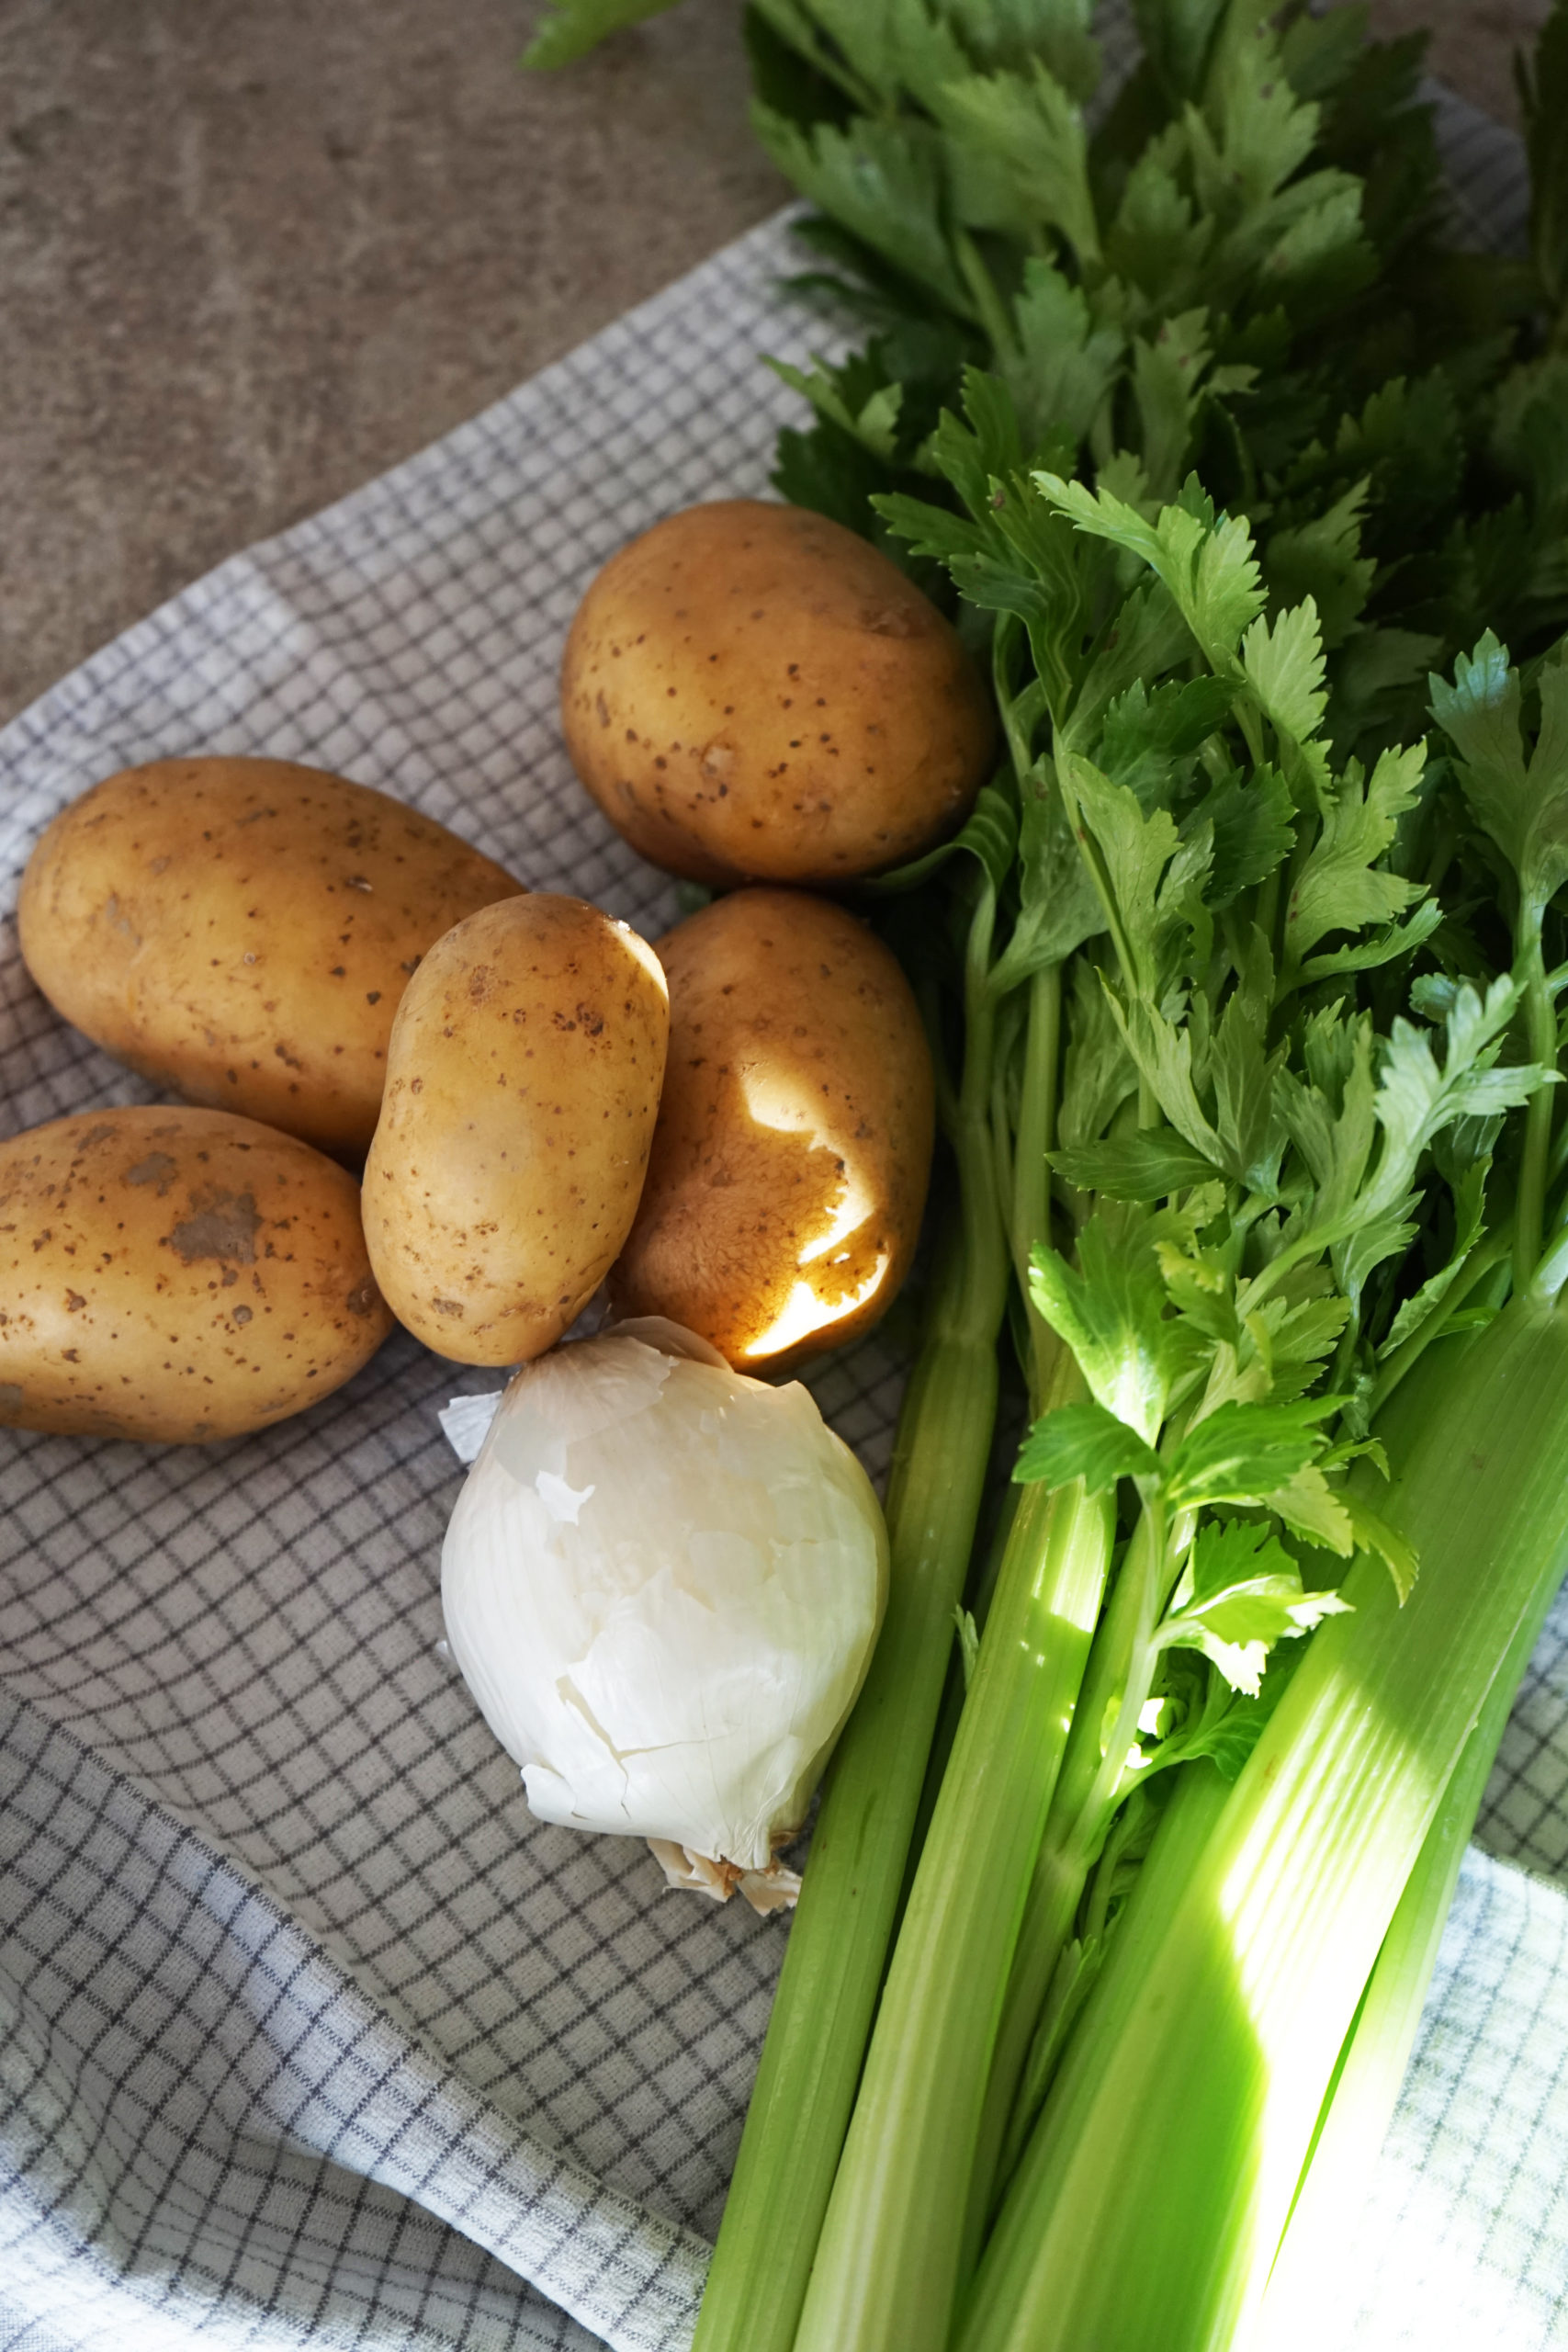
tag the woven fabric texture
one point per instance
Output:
(307, 2033)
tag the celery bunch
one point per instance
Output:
(1216, 879)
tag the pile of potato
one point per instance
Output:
(734, 1131)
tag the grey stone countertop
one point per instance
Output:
(250, 256)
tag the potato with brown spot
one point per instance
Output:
(790, 1162)
(751, 692)
(240, 931)
(523, 1085)
(176, 1274)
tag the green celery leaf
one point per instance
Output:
(1251, 130)
(1470, 1211)
(1308, 245)
(1252, 823)
(1415, 1098)
(1321, 560)
(1063, 365)
(1178, 36)
(1134, 851)
(1284, 668)
(1317, 52)
(1299, 1338)
(1163, 1054)
(1147, 736)
(1409, 437)
(1206, 560)
(1145, 636)
(834, 476)
(930, 530)
(1522, 802)
(883, 181)
(1168, 375)
(1225, 1727)
(1158, 241)
(1144, 1167)
(1243, 1453)
(1309, 1504)
(1374, 682)
(989, 444)
(1083, 1441)
(1398, 940)
(1332, 1118)
(1241, 1071)
(989, 833)
(1015, 33)
(1364, 1218)
(1097, 1072)
(1201, 1287)
(569, 28)
(1340, 886)
(875, 52)
(1059, 906)
(875, 422)
(1111, 1310)
(1017, 156)
(1373, 1533)
(1237, 1628)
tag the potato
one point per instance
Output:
(522, 1087)
(240, 932)
(753, 693)
(789, 1166)
(178, 1274)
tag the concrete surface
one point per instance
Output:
(251, 254)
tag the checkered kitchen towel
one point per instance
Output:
(307, 2033)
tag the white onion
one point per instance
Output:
(662, 1582)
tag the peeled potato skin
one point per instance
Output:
(798, 1096)
(521, 1089)
(240, 931)
(753, 693)
(176, 1274)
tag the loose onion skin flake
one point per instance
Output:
(662, 1582)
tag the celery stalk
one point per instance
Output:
(1153, 2197)
(887, 2265)
(838, 1943)
(1373, 2068)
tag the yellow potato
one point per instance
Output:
(789, 1168)
(522, 1087)
(178, 1274)
(751, 692)
(240, 932)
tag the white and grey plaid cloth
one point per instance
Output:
(308, 2034)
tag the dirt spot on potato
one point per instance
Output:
(156, 1169)
(11, 1399)
(221, 1224)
